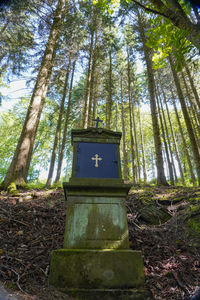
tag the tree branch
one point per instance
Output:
(150, 9)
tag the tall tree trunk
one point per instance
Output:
(174, 138)
(88, 86)
(165, 143)
(95, 100)
(193, 86)
(125, 155)
(91, 101)
(109, 100)
(61, 154)
(134, 167)
(191, 98)
(142, 144)
(185, 150)
(193, 142)
(172, 130)
(169, 142)
(58, 128)
(194, 111)
(136, 142)
(161, 180)
(19, 167)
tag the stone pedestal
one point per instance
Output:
(96, 262)
(97, 269)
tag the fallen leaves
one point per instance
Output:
(32, 228)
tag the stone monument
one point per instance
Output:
(96, 262)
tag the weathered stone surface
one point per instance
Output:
(95, 187)
(96, 223)
(96, 269)
(109, 294)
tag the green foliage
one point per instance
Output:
(12, 189)
(164, 38)
(10, 128)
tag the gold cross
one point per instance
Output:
(96, 158)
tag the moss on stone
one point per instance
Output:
(96, 269)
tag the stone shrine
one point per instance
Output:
(96, 262)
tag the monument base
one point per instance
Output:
(96, 269)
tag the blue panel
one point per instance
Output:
(96, 160)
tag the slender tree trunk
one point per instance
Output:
(91, 102)
(125, 155)
(136, 142)
(172, 131)
(61, 154)
(169, 142)
(95, 101)
(161, 180)
(88, 86)
(193, 142)
(142, 144)
(193, 86)
(19, 167)
(109, 101)
(58, 128)
(134, 167)
(193, 111)
(184, 142)
(192, 101)
(165, 143)
(174, 139)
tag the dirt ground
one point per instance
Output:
(32, 225)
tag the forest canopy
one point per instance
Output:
(134, 64)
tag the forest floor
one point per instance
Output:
(163, 224)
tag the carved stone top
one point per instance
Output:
(98, 135)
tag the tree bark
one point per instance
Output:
(109, 101)
(58, 128)
(125, 155)
(161, 180)
(174, 140)
(195, 149)
(172, 130)
(61, 154)
(193, 86)
(134, 167)
(92, 100)
(88, 86)
(171, 177)
(195, 118)
(19, 167)
(142, 144)
(136, 143)
(95, 100)
(169, 144)
(184, 141)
